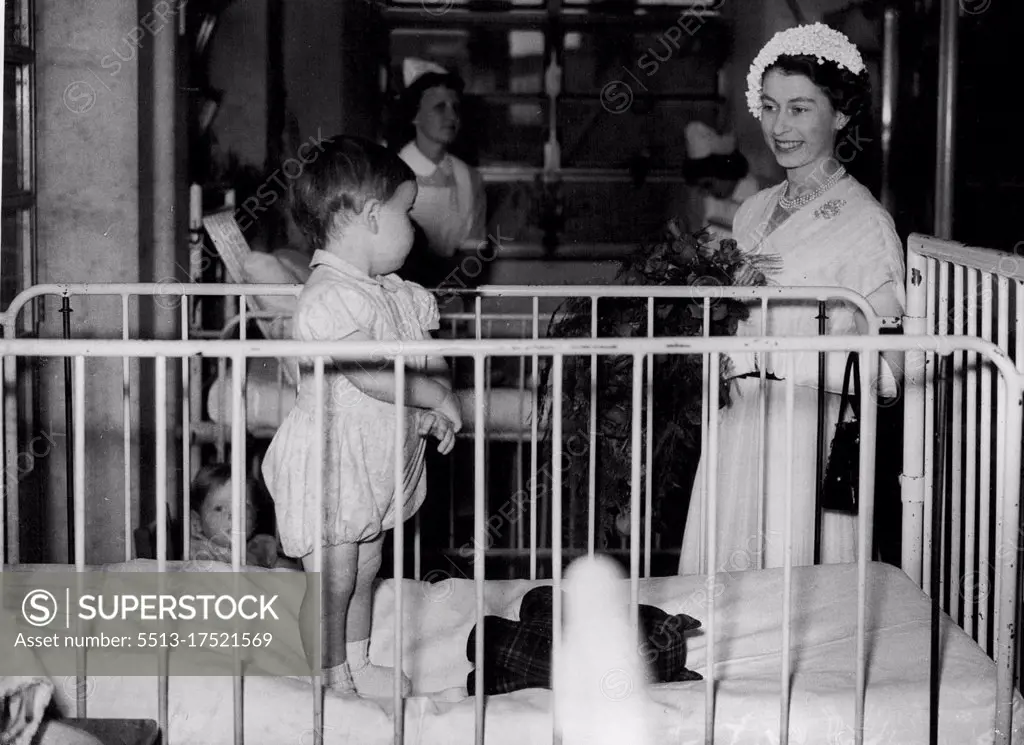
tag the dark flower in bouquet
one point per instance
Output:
(679, 259)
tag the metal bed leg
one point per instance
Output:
(939, 482)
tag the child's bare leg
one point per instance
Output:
(370, 680)
(338, 579)
(360, 612)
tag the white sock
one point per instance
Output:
(358, 654)
(372, 680)
(339, 678)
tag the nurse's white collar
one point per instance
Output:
(420, 164)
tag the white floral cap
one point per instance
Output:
(814, 40)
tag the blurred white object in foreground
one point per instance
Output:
(600, 682)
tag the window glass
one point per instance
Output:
(12, 250)
(664, 63)
(490, 60)
(628, 92)
(610, 212)
(645, 134)
(440, 7)
(16, 28)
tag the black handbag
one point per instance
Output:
(842, 473)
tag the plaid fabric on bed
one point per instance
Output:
(517, 654)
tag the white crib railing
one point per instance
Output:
(1005, 542)
(955, 290)
(508, 312)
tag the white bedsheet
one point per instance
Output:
(438, 618)
(507, 411)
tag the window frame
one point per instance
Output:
(554, 18)
(22, 202)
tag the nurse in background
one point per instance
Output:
(450, 206)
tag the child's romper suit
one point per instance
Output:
(359, 438)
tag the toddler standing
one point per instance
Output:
(353, 203)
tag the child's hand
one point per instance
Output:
(451, 410)
(437, 425)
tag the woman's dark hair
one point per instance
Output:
(848, 93)
(409, 102)
(344, 172)
(856, 146)
(401, 129)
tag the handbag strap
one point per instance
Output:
(852, 367)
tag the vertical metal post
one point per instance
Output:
(126, 429)
(399, 540)
(592, 439)
(944, 145)
(912, 480)
(1007, 553)
(985, 458)
(649, 447)
(10, 513)
(163, 661)
(819, 472)
(479, 558)
(890, 78)
(787, 548)
(713, 400)
(956, 466)
(69, 423)
(634, 491)
(316, 654)
(4, 464)
(76, 438)
(938, 504)
(535, 387)
(929, 542)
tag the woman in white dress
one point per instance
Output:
(450, 205)
(808, 87)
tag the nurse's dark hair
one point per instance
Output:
(406, 103)
(848, 93)
(342, 175)
(409, 101)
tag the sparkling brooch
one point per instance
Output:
(830, 209)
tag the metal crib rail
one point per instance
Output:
(197, 430)
(952, 290)
(1012, 386)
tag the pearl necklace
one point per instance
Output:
(806, 198)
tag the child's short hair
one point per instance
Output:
(209, 479)
(346, 172)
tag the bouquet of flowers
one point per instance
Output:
(679, 259)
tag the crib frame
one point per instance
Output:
(931, 264)
(182, 296)
(1011, 383)
(955, 290)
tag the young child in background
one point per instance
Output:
(353, 203)
(210, 502)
